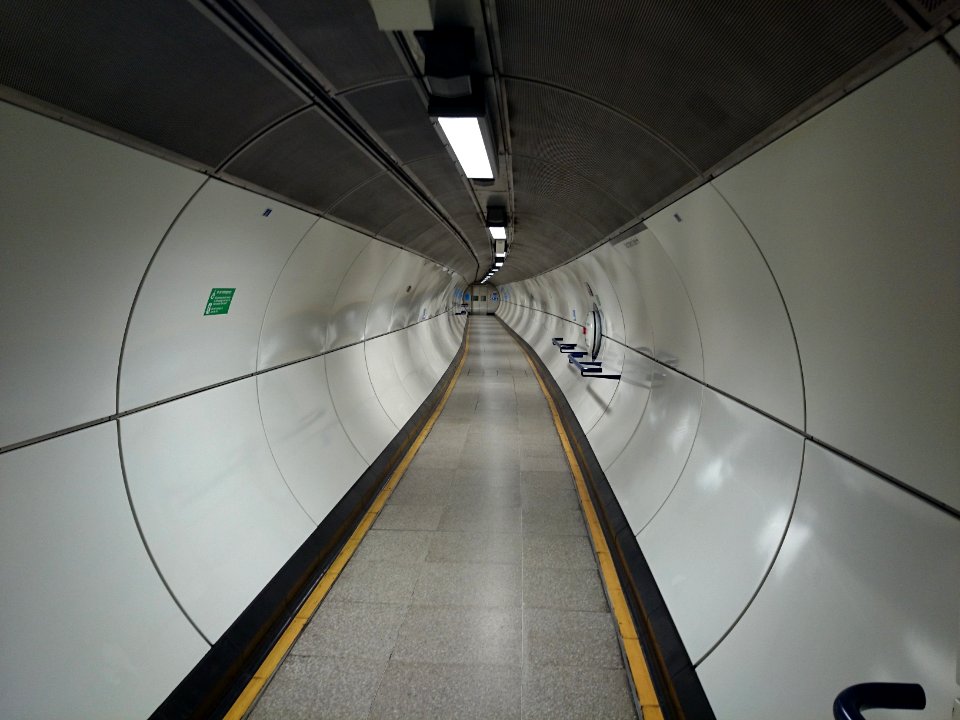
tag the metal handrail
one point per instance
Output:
(888, 696)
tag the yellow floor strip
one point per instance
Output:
(639, 671)
(269, 666)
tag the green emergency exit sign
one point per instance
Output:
(219, 301)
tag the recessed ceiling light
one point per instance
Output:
(498, 233)
(467, 143)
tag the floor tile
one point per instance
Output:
(539, 520)
(376, 582)
(354, 629)
(420, 489)
(543, 479)
(555, 499)
(409, 517)
(576, 693)
(557, 462)
(394, 546)
(558, 551)
(488, 476)
(434, 459)
(563, 589)
(500, 548)
(564, 637)
(482, 585)
(448, 692)
(460, 635)
(475, 495)
(320, 688)
(493, 519)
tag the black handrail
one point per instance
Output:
(867, 696)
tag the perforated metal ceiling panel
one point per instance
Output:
(384, 208)
(396, 113)
(306, 159)
(374, 205)
(340, 37)
(547, 185)
(158, 70)
(438, 174)
(619, 157)
(413, 226)
(706, 76)
(437, 242)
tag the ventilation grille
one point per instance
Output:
(375, 205)
(620, 158)
(707, 77)
(340, 37)
(396, 113)
(158, 70)
(306, 159)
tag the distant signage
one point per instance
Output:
(219, 301)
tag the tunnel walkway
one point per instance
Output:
(476, 593)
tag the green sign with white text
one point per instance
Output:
(219, 301)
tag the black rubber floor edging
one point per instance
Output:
(214, 684)
(681, 695)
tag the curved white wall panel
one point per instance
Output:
(421, 301)
(295, 325)
(411, 364)
(391, 293)
(715, 537)
(604, 293)
(668, 306)
(864, 589)
(614, 429)
(645, 473)
(431, 338)
(348, 318)
(748, 346)
(215, 511)
(73, 252)
(386, 380)
(222, 240)
(89, 631)
(363, 418)
(314, 454)
(594, 396)
(637, 326)
(856, 213)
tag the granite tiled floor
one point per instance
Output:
(476, 593)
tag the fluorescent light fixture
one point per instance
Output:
(467, 143)
(498, 263)
(500, 254)
(498, 233)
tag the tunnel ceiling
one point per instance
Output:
(602, 111)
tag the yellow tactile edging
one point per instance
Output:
(639, 671)
(279, 651)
